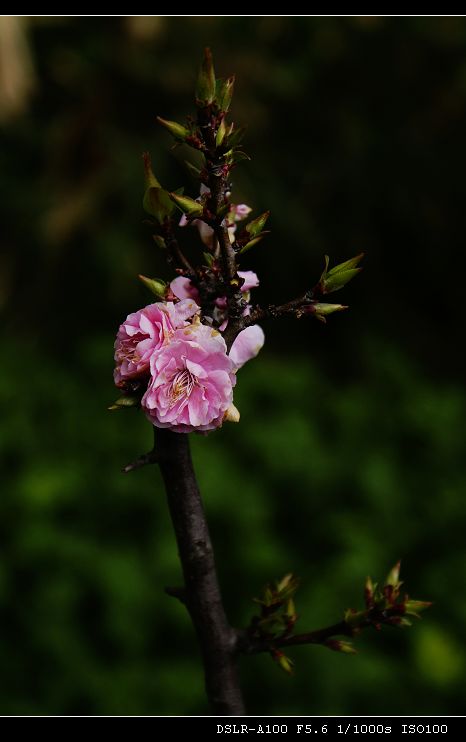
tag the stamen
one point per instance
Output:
(181, 386)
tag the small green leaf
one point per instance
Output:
(149, 178)
(220, 136)
(393, 577)
(334, 279)
(126, 401)
(414, 607)
(253, 242)
(224, 93)
(347, 265)
(257, 225)
(160, 242)
(157, 203)
(285, 662)
(187, 205)
(195, 171)
(236, 136)
(176, 130)
(205, 88)
(209, 259)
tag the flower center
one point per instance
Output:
(128, 350)
(181, 386)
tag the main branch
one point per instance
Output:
(202, 595)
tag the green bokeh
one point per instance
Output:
(350, 452)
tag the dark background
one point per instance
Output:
(350, 453)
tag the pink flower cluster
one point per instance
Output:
(189, 373)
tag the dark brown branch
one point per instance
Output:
(202, 592)
(249, 644)
(296, 306)
(217, 181)
(175, 253)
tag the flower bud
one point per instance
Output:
(337, 645)
(320, 310)
(155, 285)
(205, 88)
(176, 130)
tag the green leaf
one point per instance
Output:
(236, 136)
(224, 93)
(257, 225)
(414, 607)
(347, 265)
(195, 171)
(253, 242)
(334, 279)
(176, 130)
(126, 401)
(209, 259)
(160, 242)
(157, 203)
(205, 88)
(393, 577)
(149, 178)
(187, 205)
(219, 137)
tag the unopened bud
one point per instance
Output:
(337, 645)
(320, 310)
(155, 285)
(232, 414)
(205, 88)
(176, 130)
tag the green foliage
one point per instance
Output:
(318, 480)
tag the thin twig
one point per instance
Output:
(144, 460)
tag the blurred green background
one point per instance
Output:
(350, 453)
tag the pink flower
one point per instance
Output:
(192, 381)
(146, 331)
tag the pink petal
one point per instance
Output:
(183, 288)
(247, 345)
(251, 280)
